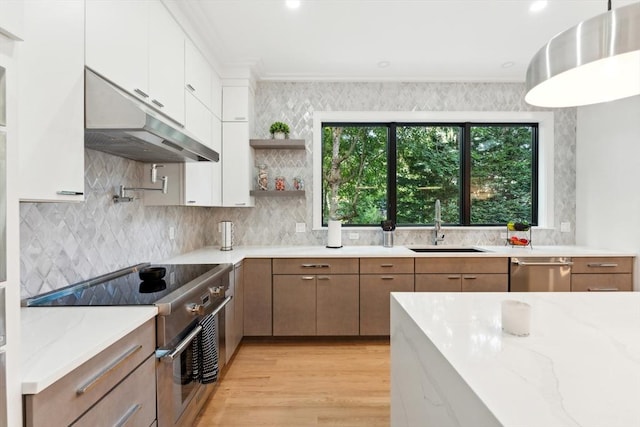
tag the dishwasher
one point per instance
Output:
(540, 274)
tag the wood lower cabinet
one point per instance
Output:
(598, 274)
(258, 305)
(311, 304)
(116, 387)
(462, 274)
(375, 300)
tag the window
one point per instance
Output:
(482, 173)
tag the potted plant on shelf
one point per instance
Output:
(279, 130)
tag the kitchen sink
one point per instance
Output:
(441, 249)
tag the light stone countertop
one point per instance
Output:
(453, 366)
(56, 340)
(213, 254)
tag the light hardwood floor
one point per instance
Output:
(303, 383)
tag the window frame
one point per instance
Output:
(544, 167)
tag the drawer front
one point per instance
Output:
(438, 282)
(131, 403)
(602, 265)
(461, 265)
(485, 283)
(601, 282)
(315, 266)
(83, 387)
(386, 265)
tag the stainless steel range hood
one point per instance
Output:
(117, 123)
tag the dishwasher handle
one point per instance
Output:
(541, 263)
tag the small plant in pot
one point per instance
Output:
(279, 130)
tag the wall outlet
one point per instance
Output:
(172, 233)
(565, 227)
(301, 227)
(354, 236)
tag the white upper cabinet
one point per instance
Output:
(198, 74)
(138, 46)
(216, 198)
(198, 120)
(11, 23)
(235, 103)
(237, 165)
(51, 101)
(198, 178)
(117, 43)
(166, 62)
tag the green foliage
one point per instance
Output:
(279, 127)
(428, 167)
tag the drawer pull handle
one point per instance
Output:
(157, 103)
(307, 277)
(387, 277)
(386, 265)
(128, 415)
(602, 264)
(108, 369)
(453, 277)
(469, 277)
(141, 93)
(315, 266)
(323, 277)
(239, 118)
(602, 289)
(190, 87)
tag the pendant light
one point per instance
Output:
(596, 61)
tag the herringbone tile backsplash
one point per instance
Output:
(63, 243)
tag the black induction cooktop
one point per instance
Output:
(124, 287)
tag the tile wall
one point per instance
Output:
(62, 243)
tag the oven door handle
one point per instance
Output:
(170, 355)
(222, 304)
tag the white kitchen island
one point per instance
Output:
(451, 364)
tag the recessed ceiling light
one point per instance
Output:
(293, 4)
(508, 64)
(383, 64)
(538, 5)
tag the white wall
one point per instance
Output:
(608, 176)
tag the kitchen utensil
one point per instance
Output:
(152, 273)
(226, 238)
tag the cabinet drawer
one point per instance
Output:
(386, 265)
(83, 387)
(315, 266)
(485, 282)
(603, 265)
(131, 403)
(461, 265)
(438, 282)
(601, 282)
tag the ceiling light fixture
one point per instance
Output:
(596, 61)
(293, 4)
(537, 6)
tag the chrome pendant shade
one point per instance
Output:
(596, 61)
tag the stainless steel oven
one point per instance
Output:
(185, 295)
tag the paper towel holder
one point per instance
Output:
(334, 235)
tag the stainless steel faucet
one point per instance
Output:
(437, 227)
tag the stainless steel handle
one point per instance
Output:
(141, 93)
(602, 264)
(453, 277)
(239, 118)
(386, 265)
(158, 103)
(128, 415)
(315, 265)
(469, 277)
(191, 201)
(69, 193)
(221, 306)
(195, 309)
(239, 204)
(323, 278)
(387, 277)
(603, 289)
(170, 356)
(108, 369)
(190, 87)
(548, 264)
(308, 277)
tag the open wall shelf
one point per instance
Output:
(276, 193)
(278, 144)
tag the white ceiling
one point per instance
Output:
(423, 40)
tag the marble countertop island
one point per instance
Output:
(452, 365)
